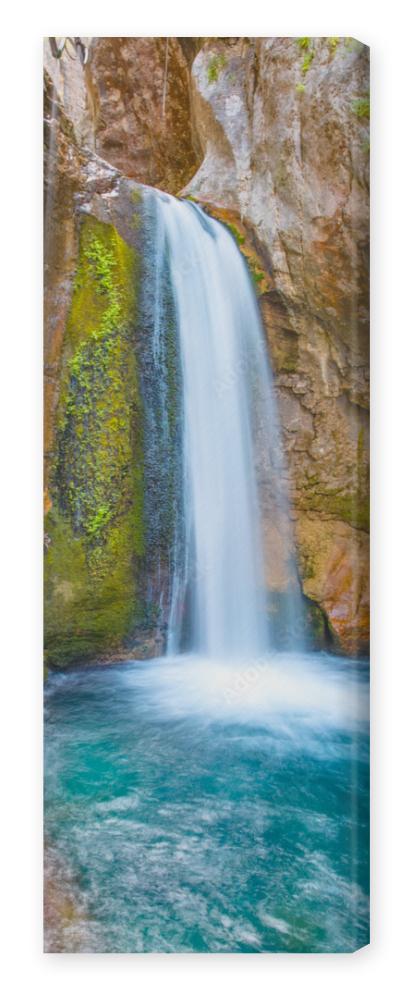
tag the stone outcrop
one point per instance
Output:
(63, 179)
(284, 130)
(94, 539)
(271, 135)
(131, 105)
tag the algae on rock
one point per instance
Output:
(95, 531)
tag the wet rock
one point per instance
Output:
(273, 138)
(334, 563)
(286, 149)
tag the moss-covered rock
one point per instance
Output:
(353, 509)
(94, 529)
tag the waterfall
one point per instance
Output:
(230, 439)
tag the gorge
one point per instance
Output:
(206, 495)
(307, 291)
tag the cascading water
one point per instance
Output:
(231, 441)
(214, 801)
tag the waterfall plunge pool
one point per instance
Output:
(197, 806)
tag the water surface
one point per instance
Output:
(196, 806)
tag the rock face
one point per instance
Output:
(272, 136)
(94, 524)
(94, 537)
(284, 129)
(142, 113)
(63, 178)
(131, 105)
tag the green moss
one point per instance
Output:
(360, 446)
(333, 43)
(215, 65)
(307, 61)
(96, 522)
(235, 232)
(306, 44)
(98, 434)
(286, 351)
(354, 509)
(256, 275)
(288, 366)
(251, 260)
(103, 290)
(361, 106)
(86, 617)
(136, 199)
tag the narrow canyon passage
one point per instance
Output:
(204, 801)
(206, 494)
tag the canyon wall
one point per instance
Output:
(271, 135)
(284, 128)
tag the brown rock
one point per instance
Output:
(334, 563)
(279, 152)
(143, 116)
(285, 149)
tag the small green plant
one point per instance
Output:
(361, 106)
(98, 522)
(300, 88)
(306, 44)
(333, 43)
(307, 60)
(257, 276)
(237, 235)
(215, 65)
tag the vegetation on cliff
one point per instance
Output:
(289, 178)
(94, 528)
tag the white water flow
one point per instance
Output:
(230, 437)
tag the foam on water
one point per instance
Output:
(262, 691)
(196, 808)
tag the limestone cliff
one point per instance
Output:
(284, 130)
(272, 135)
(94, 538)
